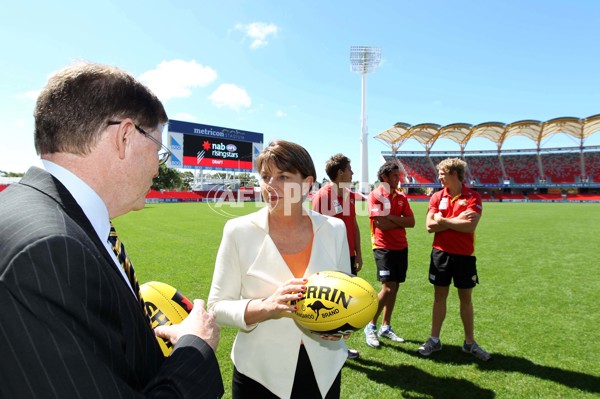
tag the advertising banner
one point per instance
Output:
(216, 153)
(199, 146)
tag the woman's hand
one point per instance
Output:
(331, 337)
(280, 301)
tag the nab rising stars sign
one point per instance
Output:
(200, 146)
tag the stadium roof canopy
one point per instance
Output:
(428, 133)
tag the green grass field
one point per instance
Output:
(536, 308)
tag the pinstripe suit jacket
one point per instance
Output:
(69, 326)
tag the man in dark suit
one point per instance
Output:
(71, 323)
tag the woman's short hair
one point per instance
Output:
(287, 156)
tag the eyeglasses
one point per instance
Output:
(163, 152)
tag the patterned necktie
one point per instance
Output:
(119, 250)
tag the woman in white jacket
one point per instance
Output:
(262, 264)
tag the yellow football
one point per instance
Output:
(165, 306)
(336, 303)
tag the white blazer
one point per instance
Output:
(249, 266)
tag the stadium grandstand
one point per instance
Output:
(528, 174)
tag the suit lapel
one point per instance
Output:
(47, 184)
(322, 256)
(139, 344)
(268, 264)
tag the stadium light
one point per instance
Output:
(363, 60)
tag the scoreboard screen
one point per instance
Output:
(197, 146)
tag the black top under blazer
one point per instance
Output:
(69, 324)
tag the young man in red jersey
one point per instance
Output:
(453, 215)
(336, 199)
(390, 214)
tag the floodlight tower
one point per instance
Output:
(364, 59)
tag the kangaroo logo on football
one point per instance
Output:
(316, 307)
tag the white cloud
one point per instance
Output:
(230, 96)
(176, 78)
(280, 114)
(182, 116)
(258, 32)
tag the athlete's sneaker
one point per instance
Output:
(430, 346)
(371, 336)
(476, 351)
(353, 354)
(389, 334)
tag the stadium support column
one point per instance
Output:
(583, 173)
(364, 59)
(542, 174)
(363, 186)
(501, 161)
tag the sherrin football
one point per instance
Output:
(165, 306)
(336, 303)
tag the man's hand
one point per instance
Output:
(199, 323)
(358, 263)
(469, 215)
(465, 222)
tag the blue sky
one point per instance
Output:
(282, 68)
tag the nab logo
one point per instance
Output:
(175, 145)
(231, 147)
